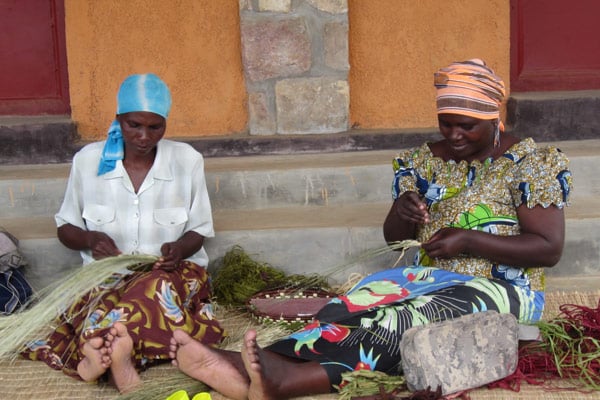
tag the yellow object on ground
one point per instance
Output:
(202, 396)
(182, 395)
(179, 395)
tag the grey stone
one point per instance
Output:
(330, 6)
(312, 105)
(283, 6)
(275, 48)
(461, 353)
(262, 118)
(336, 46)
(245, 5)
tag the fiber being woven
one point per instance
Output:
(34, 380)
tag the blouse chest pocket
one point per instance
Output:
(170, 217)
(98, 214)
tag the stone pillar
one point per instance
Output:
(295, 57)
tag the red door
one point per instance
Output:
(555, 45)
(33, 67)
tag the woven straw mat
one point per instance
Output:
(23, 379)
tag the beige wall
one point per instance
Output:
(397, 45)
(193, 45)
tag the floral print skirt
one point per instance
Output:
(363, 328)
(150, 304)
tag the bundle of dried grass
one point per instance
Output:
(237, 277)
(46, 305)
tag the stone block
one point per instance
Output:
(461, 353)
(275, 48)
(262, 118)
(336, 46)
(330, 6)
(245, 5)
(283, 6)
(312, 105)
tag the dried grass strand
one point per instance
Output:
(400, 246)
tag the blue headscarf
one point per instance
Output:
(146, 92)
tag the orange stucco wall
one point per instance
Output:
(397, 45)
(193, 45)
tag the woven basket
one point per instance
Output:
(288, 305)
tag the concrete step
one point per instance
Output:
(307, 240)
(291, 238)
(254, 182)
(305, 212)
(259, 182)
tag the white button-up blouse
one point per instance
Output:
(171, 201)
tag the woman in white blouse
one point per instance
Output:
(135, 193)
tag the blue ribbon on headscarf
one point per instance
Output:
(145, 92)
(113, 149)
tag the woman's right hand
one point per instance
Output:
(102, 245)
(406, 213)
(410, 207)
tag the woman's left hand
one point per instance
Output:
(447, 242)
(172, 254)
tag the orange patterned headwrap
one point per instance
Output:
(469, 88)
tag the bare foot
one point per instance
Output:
(122, 369)
(220, 369)
(275, 377)
(260, 388)
(96, 361)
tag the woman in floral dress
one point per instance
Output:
(487, 208)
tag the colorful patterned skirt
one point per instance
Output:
(150, 304)
(363, 329)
